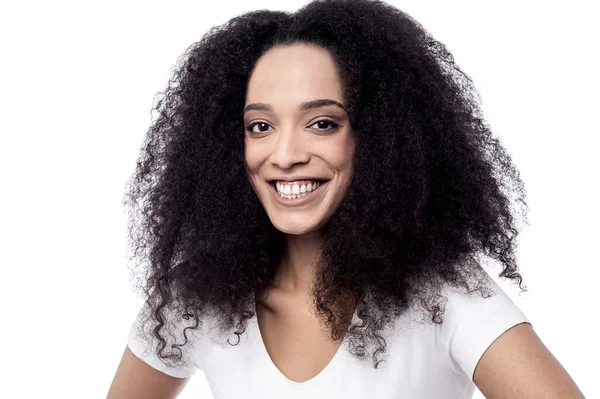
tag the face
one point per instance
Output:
(299, 145)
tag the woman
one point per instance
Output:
(313, 199)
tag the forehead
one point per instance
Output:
(299, 71)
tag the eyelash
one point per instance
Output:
(335, 127)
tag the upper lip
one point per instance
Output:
(295, 178)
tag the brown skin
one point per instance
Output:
(136, 379)
(294, 337)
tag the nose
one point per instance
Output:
(289, 148)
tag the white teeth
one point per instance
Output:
(294, 191)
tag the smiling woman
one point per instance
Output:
(311, 206)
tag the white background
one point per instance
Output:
(77, 83)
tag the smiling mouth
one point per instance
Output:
(273, 182)
(298, 193)
(299, 190)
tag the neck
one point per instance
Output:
(297, 266)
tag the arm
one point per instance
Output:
(518, 365)
(135, 379)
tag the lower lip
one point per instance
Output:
(298, 201)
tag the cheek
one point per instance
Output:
(339, 154)
(249, 156)
(349, 150)
(254, 160)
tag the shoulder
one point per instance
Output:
(518, 364)
(471, 323)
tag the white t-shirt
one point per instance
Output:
(422, 360)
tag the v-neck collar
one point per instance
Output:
(325, 374)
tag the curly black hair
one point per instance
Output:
(431, 188)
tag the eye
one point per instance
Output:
(326, 122)
(322, 125)
(250, 127)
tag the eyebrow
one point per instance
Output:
(324, 102)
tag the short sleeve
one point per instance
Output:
(144, 346)
(471, 324)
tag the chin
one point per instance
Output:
(289, 225)
(294, 229)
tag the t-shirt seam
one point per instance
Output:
(442, 359)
